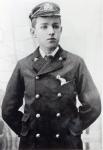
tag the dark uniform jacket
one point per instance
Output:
(50, 88)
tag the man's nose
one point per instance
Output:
(51, 31)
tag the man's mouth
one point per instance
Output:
(51, 39)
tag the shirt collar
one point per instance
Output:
(51, 54)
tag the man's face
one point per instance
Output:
(48, 31)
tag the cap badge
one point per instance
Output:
(48, 7)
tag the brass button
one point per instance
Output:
(37, 77)
(37, 96)
(37, 135)
(37, 115)
(59, 94)
(58, 115)
(35, 59)
(60, 58)
(57, 136)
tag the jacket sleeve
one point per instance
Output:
(88, 95)
(13, 100)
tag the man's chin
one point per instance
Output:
(52, 46)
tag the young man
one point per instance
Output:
(49, 80)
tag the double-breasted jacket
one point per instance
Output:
(50, 88)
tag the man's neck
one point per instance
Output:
(48, 52)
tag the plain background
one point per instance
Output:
(82, 22)
(82, 32)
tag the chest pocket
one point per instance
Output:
(69, 88)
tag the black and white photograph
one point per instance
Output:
(51, 75)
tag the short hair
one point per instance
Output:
(34, 20)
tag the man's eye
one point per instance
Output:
(55, 26)
(44, 27)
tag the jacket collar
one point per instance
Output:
(43, 54)
(41, 66)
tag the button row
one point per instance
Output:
(36, 58)
(37, 96)
(38, 135)
(57, 115)
(57, 77)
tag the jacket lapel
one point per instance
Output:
(50, 66)
(38, 61)
(42, 66)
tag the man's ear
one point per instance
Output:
(32, 31)
(61, 29)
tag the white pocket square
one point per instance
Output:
(62, 80)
